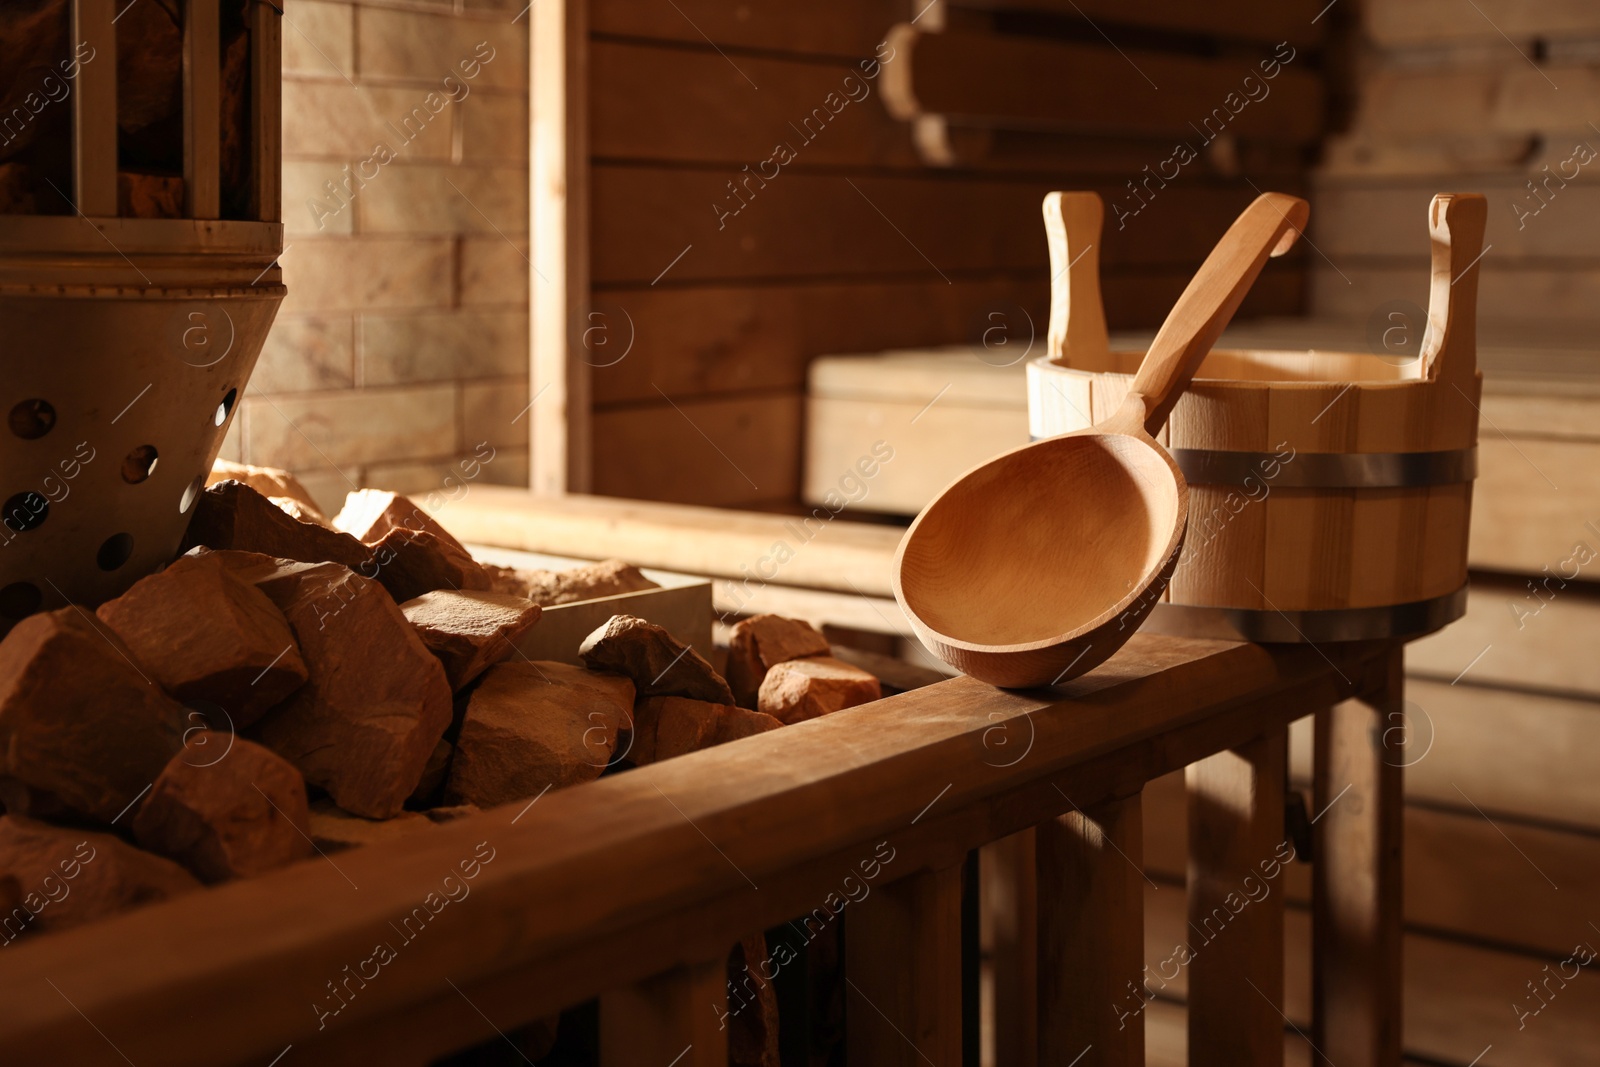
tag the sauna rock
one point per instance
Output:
(365, 724)
(658, 663)
(802, 689)
(204, 634)
(226, 808)
(532, 726)
(760, 643)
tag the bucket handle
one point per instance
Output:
(1449, 346)
(1072, 225)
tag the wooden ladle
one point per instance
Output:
(1036, 566)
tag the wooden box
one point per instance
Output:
(682, 605)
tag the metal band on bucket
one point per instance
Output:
(1309, 627)
(1329, 470)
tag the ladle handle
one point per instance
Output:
(1267, 228)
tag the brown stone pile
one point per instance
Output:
(785, 668)
(294, 684)
(289, 680)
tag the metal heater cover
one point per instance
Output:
(116, 398)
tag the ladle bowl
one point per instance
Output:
(1036, 566)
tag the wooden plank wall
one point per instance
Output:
(1500, 97)
(753, 205)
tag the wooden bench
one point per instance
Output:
(632, 888)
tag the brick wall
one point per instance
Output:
(403, 342)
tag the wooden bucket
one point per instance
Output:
(1330, 492)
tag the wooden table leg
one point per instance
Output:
(1357, 898)
(673, 1018)
(902, 964)
(1237, 850)
(1091, 936)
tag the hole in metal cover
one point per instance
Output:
(225, 408)
(32, 419)
(19, 600)
(25, 511)
(139, 464)
(191, 494)
(114, 551)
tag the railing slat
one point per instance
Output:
(1091, 936)
(202, 109)
(94, 109)
(903, 971)
(1237, 850)
(672, 1018)
(1011, 883)
(1356, 886)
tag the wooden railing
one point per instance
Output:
(632, 888)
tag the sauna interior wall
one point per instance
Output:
(754, 205)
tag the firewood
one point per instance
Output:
(365, 724)
(77, 718)
(69, 877)
(469, 631)
(547, 588)
(204, 634)
(658, 663)
(664, 727)
(761, 642)
(237, 812)
(801, 689)
(536, 726)
(752, 1005)
(273, 483)
(333, 829)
